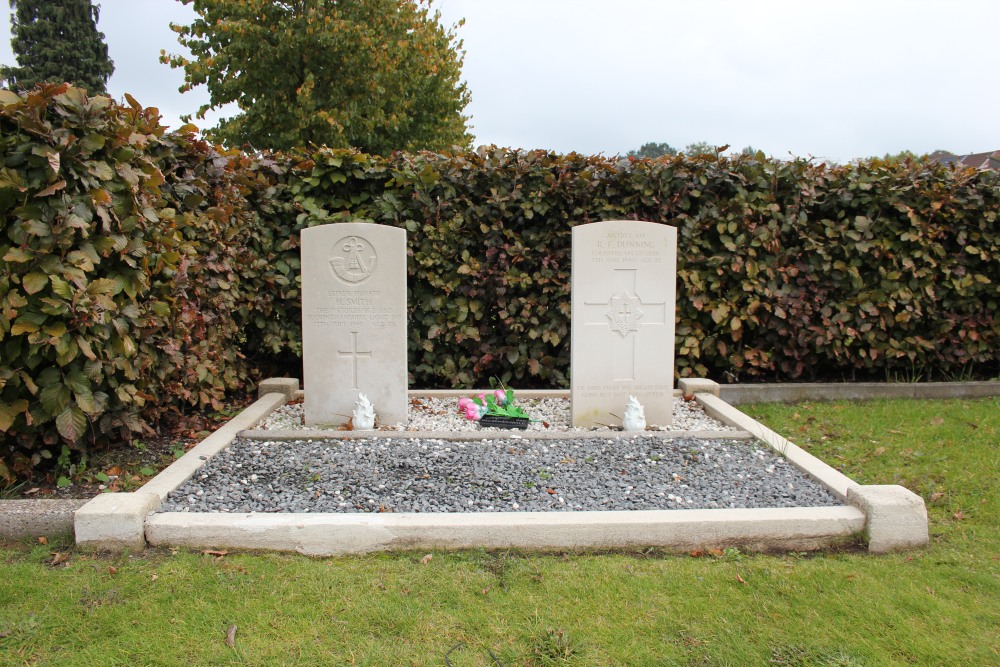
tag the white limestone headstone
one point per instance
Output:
(353, 321)
(623, 286)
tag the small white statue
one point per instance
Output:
(635, 418)
(363, 417)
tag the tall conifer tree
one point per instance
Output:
(56, 41)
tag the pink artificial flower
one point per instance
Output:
(472, 412)
(464, 403)
(482, 397)
(501, 396)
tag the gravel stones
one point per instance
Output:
(399, 474)
(552, 414)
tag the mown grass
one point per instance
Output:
(933, 606)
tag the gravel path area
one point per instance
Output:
(399, 474)
(552, 414)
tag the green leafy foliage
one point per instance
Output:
(144, 273)
(381, 75)
(787, 270)
(119, 298)
(57, 41)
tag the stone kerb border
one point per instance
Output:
(117, 520)
(797, 392)
(895, 517)
(836, 481)
(891, 517)
(288, 435)
(802, 528)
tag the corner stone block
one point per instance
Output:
(114, 521)
(286, 386)
(692, 386)
(896, 518)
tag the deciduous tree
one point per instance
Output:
(653, 150)
(703, 148)
(57, 41)
(379, 75)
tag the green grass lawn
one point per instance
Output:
(935, 606)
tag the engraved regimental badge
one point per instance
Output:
(623, 313)
(353, 260)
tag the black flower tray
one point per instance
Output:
(496, 421)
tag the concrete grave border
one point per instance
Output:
(889, 517)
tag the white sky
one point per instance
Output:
(835, 79)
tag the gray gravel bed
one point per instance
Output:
(499, 475)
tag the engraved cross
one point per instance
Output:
(624, 317)
(354, 353)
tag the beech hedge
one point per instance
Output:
(117, 278)
(787, 270)
(143, 273)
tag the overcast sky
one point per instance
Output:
(835, 79)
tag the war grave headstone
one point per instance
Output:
(353, 321)
(623, 285)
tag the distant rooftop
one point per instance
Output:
(981, 161)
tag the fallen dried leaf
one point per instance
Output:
(551, 492)
(231, 636)
(58, 558)
(487, 590)
(958, 516)
(112, 569)
(936, 496)
(718, 553)
(741, 579)
(210, 552)
(43, 540)
(154, 577)
(113, 470)
(879, 451)
(697, 554)
(32, 490)
(937, 421)
(426, 559)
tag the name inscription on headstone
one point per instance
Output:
(354, 308)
